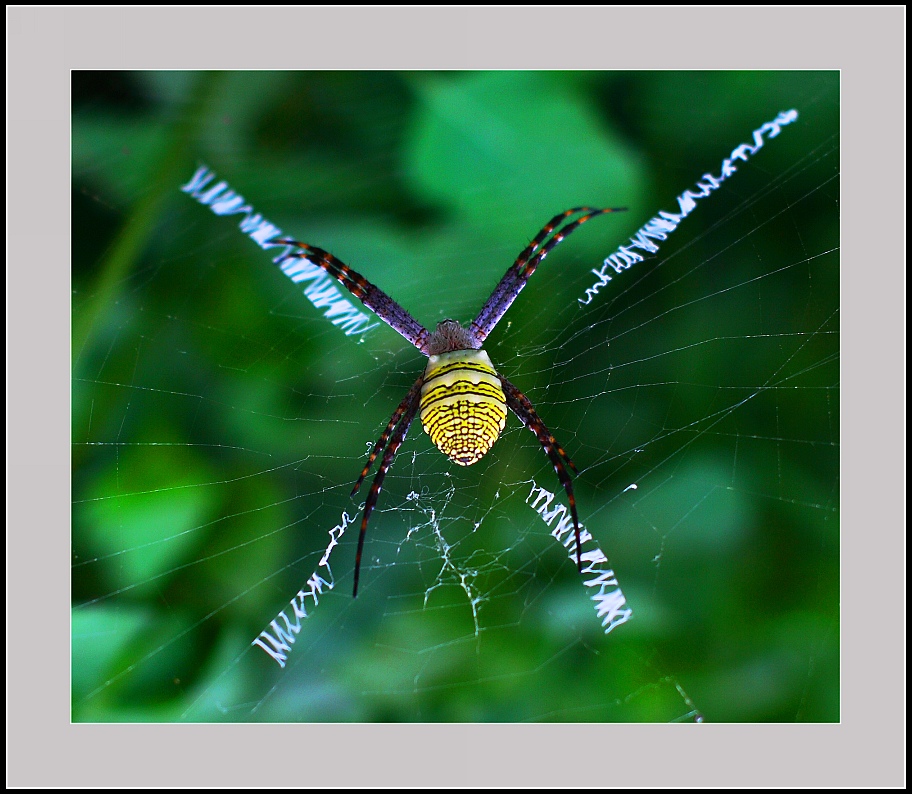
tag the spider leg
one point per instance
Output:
(519, 272)
(409, 407)
(370, 295)
(511, 275)
(520, 405)
(381, 442)
(549, 227)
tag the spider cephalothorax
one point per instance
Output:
(451, 335)
(460, 399)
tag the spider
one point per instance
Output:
(460, 398)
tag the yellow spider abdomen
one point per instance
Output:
(462, 406)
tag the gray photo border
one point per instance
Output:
(45, 43)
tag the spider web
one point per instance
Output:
(221, 412)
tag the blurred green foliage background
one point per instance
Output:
(219, 420)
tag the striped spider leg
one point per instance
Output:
(460, 398)
(529, 259)
(371, 296)
(400, 320)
